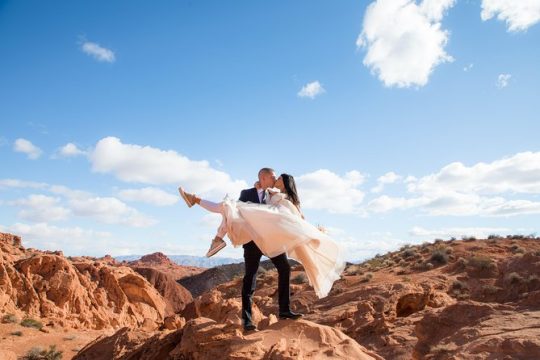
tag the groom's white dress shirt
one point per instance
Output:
(260, 192)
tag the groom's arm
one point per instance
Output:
(243, 196)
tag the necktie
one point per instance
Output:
(263, 197)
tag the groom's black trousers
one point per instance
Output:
(252, 258)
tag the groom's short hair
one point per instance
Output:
(265, 170)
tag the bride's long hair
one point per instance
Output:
(290, 188)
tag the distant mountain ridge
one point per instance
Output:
(188, 260)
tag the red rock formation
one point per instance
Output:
(176, 296)
(204, 338)
(84, 293)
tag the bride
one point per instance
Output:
(277, 227)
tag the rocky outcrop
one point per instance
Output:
(176, 297)
(204, 338)
(82, 293)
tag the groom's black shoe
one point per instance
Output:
(249, 326)
(289, 315)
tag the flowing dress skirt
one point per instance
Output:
(278, 229)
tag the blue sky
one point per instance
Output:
(402, 121)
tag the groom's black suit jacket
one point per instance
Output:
(249, 195)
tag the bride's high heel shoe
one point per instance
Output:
(190, 199)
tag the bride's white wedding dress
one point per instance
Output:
(277, 227)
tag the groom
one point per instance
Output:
(252, 258)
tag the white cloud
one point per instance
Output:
(458, 190)
(519, 15)
(386, 203)
(311, 90)
(40, 207)
(149, 195)
(70, 150)
(388, 178)
(325, 190)
(98, 52)
(519, 173)
(149, 165)
(458, 232)
(26, 147)
(468, 67)
(16, 183)
(212, 221)
(37, 207)
(503, 80)
(110, 211)
(404, 40)
(363, 246)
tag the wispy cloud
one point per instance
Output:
(503, 80)
(468, 67)
(311, 90)
(149, 195)
(98, 52)
(519, 15)
(25, 146)
(70, 150)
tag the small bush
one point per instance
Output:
(459, 285)
(461, 262)
(37, 353)
(468, 238)
(28, 322)
(439, 256)
(490, 289)
(299, 279)
(429, 266)
(9, 318)
(405, 247)
(481, 263)
(367, 277)
(494, 236)
(514, 278)
(517, 249)
(409, 253)
(17, 333)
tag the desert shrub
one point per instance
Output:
(490, 289)
(514, 278)
(468, 238)
(459, 285)
(367, 277)
(438, 241)
(452, 239)
(481, 263)
(429, 266)
(517, 249)
(9, 318)
(299, 279)
(439, 255)
(37, 353)
(461, 262)
(494, 236)
(408, 253)
(407, 279)
(29, 322)
(355, 270)
(405, 247)
(17, 333)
